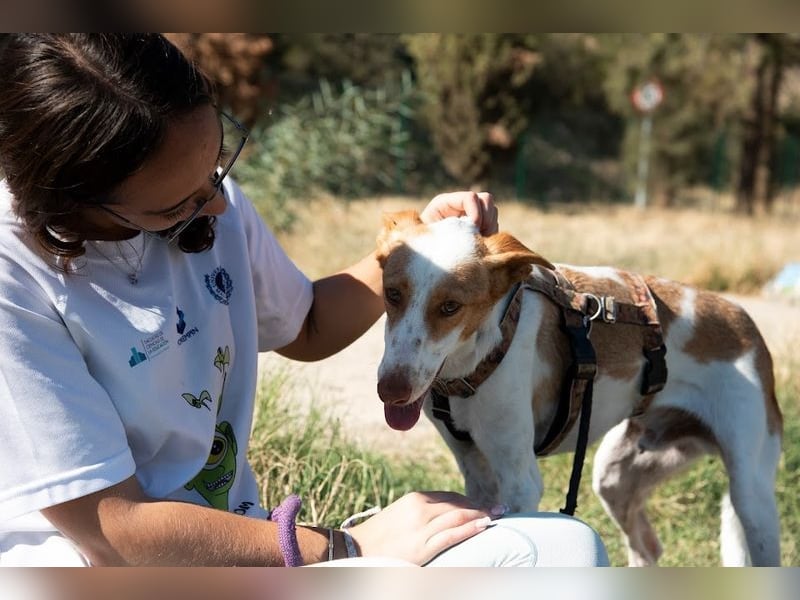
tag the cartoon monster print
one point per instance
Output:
(216, 478)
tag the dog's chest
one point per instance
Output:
(521, 396)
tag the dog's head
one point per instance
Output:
(441, 281)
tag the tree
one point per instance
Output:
(755, 191)
(704, 97)
(467, 83)
(235, 62)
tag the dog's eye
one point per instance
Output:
(392, 295)
(449, 308)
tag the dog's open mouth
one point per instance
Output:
(403, 418)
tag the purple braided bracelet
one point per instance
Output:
(284, 516)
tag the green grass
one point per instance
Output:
(309, 455)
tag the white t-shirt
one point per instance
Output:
(101, 379)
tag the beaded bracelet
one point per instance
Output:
(284, 515)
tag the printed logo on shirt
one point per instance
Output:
(181, 327)
(151, 346)
(220, 285)
(155, 344)
(136, 358)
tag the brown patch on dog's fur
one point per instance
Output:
(469, 285)
(724, 331)
(479, 285)
(395, 276)
(663, 426)
(396, 225)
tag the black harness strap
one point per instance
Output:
(441, 410)
(580, 384)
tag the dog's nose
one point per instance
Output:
(394, 388)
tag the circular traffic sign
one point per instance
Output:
(647, 97)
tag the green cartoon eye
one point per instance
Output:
(218, 449)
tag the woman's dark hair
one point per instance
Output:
(80, 113)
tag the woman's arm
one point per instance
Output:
(346, 304)
(121, 526)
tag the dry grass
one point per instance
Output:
(714, 250)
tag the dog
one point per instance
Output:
(446, 291)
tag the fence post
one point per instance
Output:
(640, 201)
(520, 166)
(400, 152)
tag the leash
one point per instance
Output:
(579, 310)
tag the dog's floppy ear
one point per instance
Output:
(511, 259)
(394, 225)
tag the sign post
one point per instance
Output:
(645, 99)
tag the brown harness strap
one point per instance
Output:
(577, 306)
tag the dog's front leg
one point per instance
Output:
(480, 483)
(505, 439)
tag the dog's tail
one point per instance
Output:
(732, 538)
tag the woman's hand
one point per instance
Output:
(420, 525)
(478, 207)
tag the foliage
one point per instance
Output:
(700, 102)
(467, 83)
(542, 116)
(366, 59)
(235, 62)
(352, 142)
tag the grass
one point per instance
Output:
(310, 455)
(307, 454)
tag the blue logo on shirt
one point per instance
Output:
(220, 285)
(136, 357)
(181, 326)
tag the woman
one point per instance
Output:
(137, 286)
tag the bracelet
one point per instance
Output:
(284, 516)
(352, 551)
(330, 545)
(349, 542)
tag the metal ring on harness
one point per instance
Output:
(599, 303)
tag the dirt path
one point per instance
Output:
(344, 384)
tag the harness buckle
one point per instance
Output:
(606, 308)
(609, 314)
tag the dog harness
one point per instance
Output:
(578, 310)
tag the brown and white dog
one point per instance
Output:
(446, 289)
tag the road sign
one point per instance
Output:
(647, 97)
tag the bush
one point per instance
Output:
(350, 143)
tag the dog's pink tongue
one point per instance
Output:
(402, 418)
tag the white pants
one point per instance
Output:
(520, 540)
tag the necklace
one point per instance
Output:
(132, 273)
